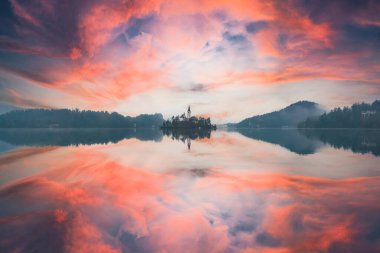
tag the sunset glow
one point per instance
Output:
(189, 126)
(230, 59)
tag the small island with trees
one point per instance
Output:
(186, 121)
(186, 127)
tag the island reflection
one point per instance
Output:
(185, 135)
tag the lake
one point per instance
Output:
(246, 190)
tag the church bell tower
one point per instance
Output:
(188, 112)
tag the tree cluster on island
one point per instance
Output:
(66, 118)
(188, 122)
(361, 115)
(191, 123)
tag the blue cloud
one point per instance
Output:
(254, 27)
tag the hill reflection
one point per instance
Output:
(357, 140)
(73, 137)
(290, 139)
(308, 141)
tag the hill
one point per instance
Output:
(65, 118)
(4, 108)
(287, 117)
(357, 116)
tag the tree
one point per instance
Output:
(357, 116)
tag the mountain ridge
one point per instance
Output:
(289, 116)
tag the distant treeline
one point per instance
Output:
(65, 118)
(357, 116)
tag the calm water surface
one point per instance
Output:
(229, 191)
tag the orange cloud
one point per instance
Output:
(100, 54)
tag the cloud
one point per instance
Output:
(255, 26)
(12, 97)
(106, 52)
(34, 76)
(19, 154)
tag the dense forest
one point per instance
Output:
(357, 116)
(287, 117)
(65, 118)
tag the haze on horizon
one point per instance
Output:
(227, 59)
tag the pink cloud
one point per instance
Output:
(184, 42)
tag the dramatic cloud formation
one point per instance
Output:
(109, 54)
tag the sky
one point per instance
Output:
(227, 59)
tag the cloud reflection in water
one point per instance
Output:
(106, 199)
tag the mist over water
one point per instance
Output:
(127, 190)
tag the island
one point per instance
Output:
(186, 121)
(186, 127)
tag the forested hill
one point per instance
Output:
(289, 116)
(65, 118)
(357, 116)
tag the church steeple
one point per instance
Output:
(188, 112)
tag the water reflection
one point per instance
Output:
(229, 194)
(308, 141)
(356, 140)
(299, 141)
(290, 139)
(68, 137)
(186, 135)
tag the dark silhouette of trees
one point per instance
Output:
(65, 118)
(187, 128)
(190, 123)
(357, 116)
